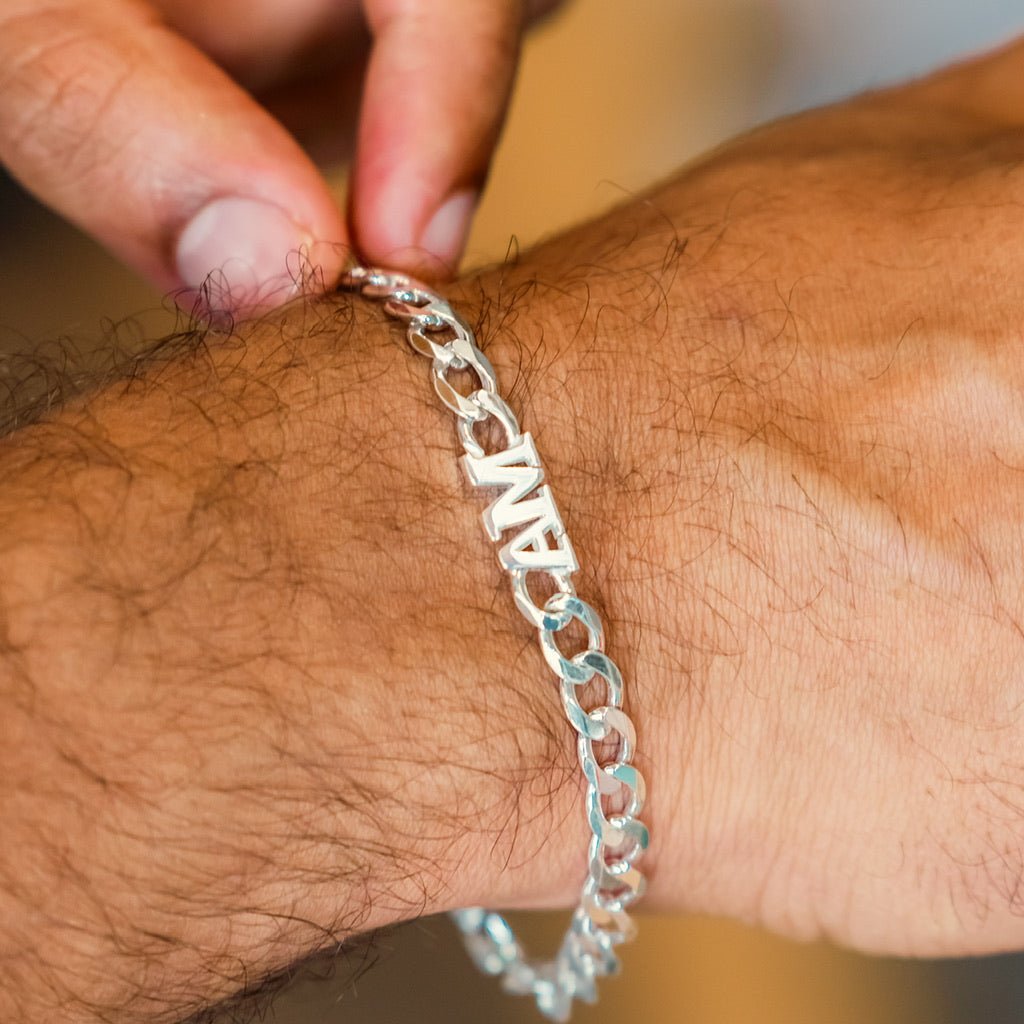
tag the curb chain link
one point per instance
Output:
(615, 789)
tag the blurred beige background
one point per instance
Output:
(611, 97)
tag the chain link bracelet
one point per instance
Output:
(606, 739)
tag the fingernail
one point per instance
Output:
(242, 252)
(445, 234)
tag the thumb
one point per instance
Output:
(119, 124)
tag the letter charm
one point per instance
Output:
(542, 543)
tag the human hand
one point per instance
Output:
(132, 119)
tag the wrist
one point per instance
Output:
(458, 731)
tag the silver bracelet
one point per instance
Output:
(539, 544)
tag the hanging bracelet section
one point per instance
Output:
(525, 520)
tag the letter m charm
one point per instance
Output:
(526, 501)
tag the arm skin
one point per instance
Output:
(262, 684)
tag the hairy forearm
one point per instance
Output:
(247, 699)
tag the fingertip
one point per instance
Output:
(443, 239)
(423, 240)
(242, 255)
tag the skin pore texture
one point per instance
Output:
(262, 685)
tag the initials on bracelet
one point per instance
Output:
(519, 471)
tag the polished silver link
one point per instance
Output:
(606, 738)
(466, 407)
(561, 610)
(496, 408)
(530, 610)
(591, 663)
